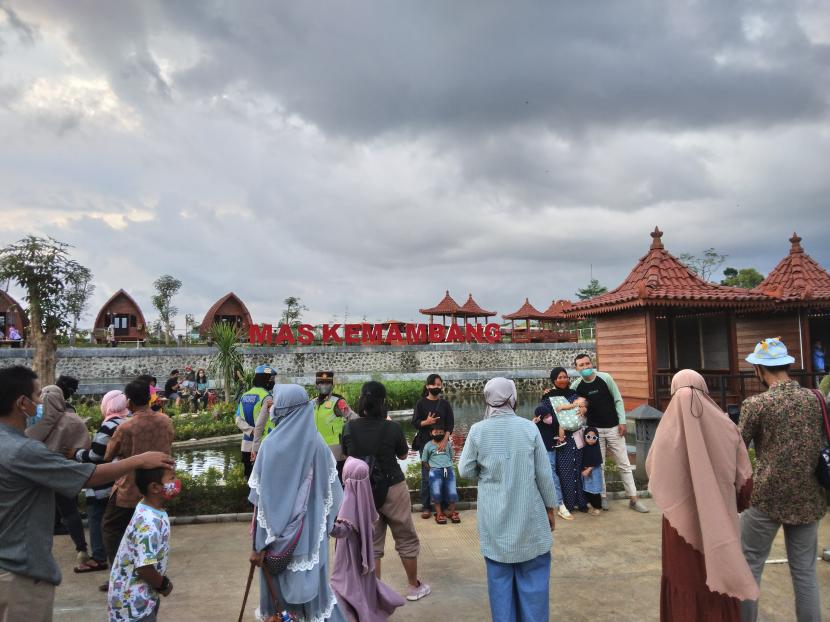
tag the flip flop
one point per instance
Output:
(441, 519)
(454, 517)
(90, 566)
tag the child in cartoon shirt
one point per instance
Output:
(138, 573)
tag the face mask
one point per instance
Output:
(172, 489)
(547, 419)
(562, 384)
(435, 390)
(438, 438)
(30, 421)
(324, 388)
(587, 372)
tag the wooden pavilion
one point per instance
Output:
(800, 290)
(663, 318)
(229, 308)
(447, 307)
(528, 313)
(122, 311)
(559, 327)
(11, 314)
(472, 309)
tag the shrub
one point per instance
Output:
(208, 494)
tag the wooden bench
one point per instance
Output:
(11, 343)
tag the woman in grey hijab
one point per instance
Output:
(297, 495)
(516, 501)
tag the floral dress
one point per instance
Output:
(145, 543)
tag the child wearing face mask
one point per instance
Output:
(138, 573)
(437, 456)
(592, 471)
(431, 410)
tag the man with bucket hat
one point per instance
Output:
(785, 424)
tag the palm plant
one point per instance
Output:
(227, 361)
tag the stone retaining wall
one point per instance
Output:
(473, 362)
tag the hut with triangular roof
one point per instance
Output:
(800, 290)
(123, 312)
(230, 309)
(663, 318)
(11, 314)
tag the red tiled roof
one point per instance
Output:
(447, 306)
(472, 309)
(797, 278)
(526, 312)
(660, 279)
(557, 310)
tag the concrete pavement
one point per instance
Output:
(604, 568)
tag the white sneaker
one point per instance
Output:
(417, 593)
(564, 513)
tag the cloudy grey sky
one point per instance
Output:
(369, 155)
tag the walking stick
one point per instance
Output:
(247, 589)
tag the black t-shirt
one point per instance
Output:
(369, 436)
(423, 407)
(170, 386)
(602, 413)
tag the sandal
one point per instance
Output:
(440, 518)
(92, 565)
(455, 517)
(426, 514)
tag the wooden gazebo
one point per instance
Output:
(122, 311)
(229, 308)
(446, 308)
(663, 318)
(800, 290)
(11, 314)
(528, 313)
(471, 309)
(558, 325)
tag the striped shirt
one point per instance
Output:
(505, 453)
(95, 454)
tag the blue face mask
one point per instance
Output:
(30, 421)
(587, 372)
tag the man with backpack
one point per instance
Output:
(380, 443)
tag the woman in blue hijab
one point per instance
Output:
(294, 489)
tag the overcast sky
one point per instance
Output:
(369, 155)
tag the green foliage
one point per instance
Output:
(293, 311)
(413, 477)
(208, 494)
(204, 425)
(592, 290)
(227, 362)
(166, 287)
(704, 265)
(43, 268)
(746, 278)
(400, 394)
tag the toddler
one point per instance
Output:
(592, 470)
(437, 454)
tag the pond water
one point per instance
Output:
(468, 409)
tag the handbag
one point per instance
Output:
(275, 563)
(823, 467)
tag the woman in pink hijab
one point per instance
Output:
(362, 597)
(700, 477)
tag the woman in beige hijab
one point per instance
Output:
(700, 477)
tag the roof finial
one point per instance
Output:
(656, 238)
(796, 244)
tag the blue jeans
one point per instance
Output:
(442, 486)
(95, 512)
(519, 592)
(557, 486)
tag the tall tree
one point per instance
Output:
(43, 267)
(293, 311)
(166, 287)
(593, 290)
(745, 277)
(77, 303)
(705, 264)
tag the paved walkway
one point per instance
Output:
(604, 568)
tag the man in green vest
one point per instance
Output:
(331, 412)
(256, 400)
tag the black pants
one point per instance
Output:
(595, 499)
(247, 465)
(113, 526)
(71, 518)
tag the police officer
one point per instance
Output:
(331, 412)
(251, 403)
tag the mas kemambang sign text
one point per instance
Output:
(373, 334)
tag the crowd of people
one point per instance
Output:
(318, 469)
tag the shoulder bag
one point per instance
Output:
(823, 467)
